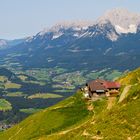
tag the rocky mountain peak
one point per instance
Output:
(75, 25)
(123, 20)
(122, 17)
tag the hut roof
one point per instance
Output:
(109, 84)
(96, 85)
(100, 84)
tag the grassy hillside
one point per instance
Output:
(113, 118)
(70, 112)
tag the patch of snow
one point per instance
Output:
(76, 35)
(43, 32)
(92, 34)
(131, 29)
(85, 27)
(87, 50)
(121, 53)
(109, 49)
(57, 35)
(97, 33)
(48, 47)
(50, 60)
(77, 28)
(85, 34)
(76, 50)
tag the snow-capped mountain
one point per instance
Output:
(71, 29)
(123, 20)
(111, 41)
(105, 29)
(120, 20)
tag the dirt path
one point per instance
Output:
(12, 137)
(69, 130)
(111, 102)
(124, 93)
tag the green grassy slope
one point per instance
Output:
(119, 123)
(113, 118)
(71, 111)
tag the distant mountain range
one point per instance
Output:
(110, 42)
(4, 44)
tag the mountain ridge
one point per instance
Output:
(81, 47)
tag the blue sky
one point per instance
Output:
(21, 18)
